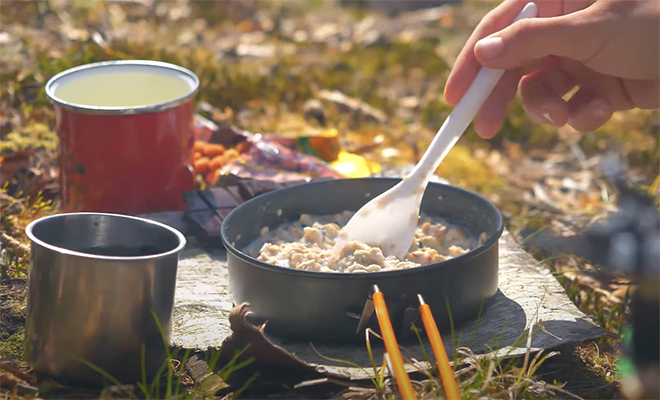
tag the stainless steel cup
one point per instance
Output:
(100, 296)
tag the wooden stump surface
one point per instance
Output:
(529, 296)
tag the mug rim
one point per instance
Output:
(105, 110)
(35, 240)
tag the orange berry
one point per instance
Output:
(199, 145)
(216, 162)
(211, 150)
(201, 165)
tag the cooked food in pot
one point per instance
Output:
(308, 244)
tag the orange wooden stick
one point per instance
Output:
(392, 347)
(446, 372)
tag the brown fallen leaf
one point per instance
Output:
(198, 371)
(9, 367)
(244, 334)
(12, 163)
(589, 282)
(8, 380)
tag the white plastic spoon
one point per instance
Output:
(389, 220)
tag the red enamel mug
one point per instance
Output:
(126, 136)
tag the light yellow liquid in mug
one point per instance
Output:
(128, 88)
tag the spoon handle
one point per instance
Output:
(461, 116)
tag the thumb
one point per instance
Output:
(575, 36)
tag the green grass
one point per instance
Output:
(477, 376)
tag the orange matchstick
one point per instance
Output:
(392, 347)
(446, 371)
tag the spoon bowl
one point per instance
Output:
(387, 220)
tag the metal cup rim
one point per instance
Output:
(87, 109)
(30, 234)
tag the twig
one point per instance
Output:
(605, 386)
(13, 244)
(489, 376)
(549, 333)
(557, 388)
(8, 366)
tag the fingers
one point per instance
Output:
(541, 93)
(601, 85)
(584, 111)
(574, 31)
(492, 113)
(467, 66)
(575, 36)
(643, 93)
(588, 111)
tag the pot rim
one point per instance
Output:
(34, 239)
(451, 263)
(104, 110)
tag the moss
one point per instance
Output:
(11, 344)
(35, 136)
(12, 328)
(462, 169)
(435, 113)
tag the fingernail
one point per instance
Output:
(546, 115)
(490, 47)
(598, 110)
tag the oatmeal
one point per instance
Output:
(308, 244)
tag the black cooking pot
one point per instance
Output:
(325, 307)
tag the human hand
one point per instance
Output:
(609, 49)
